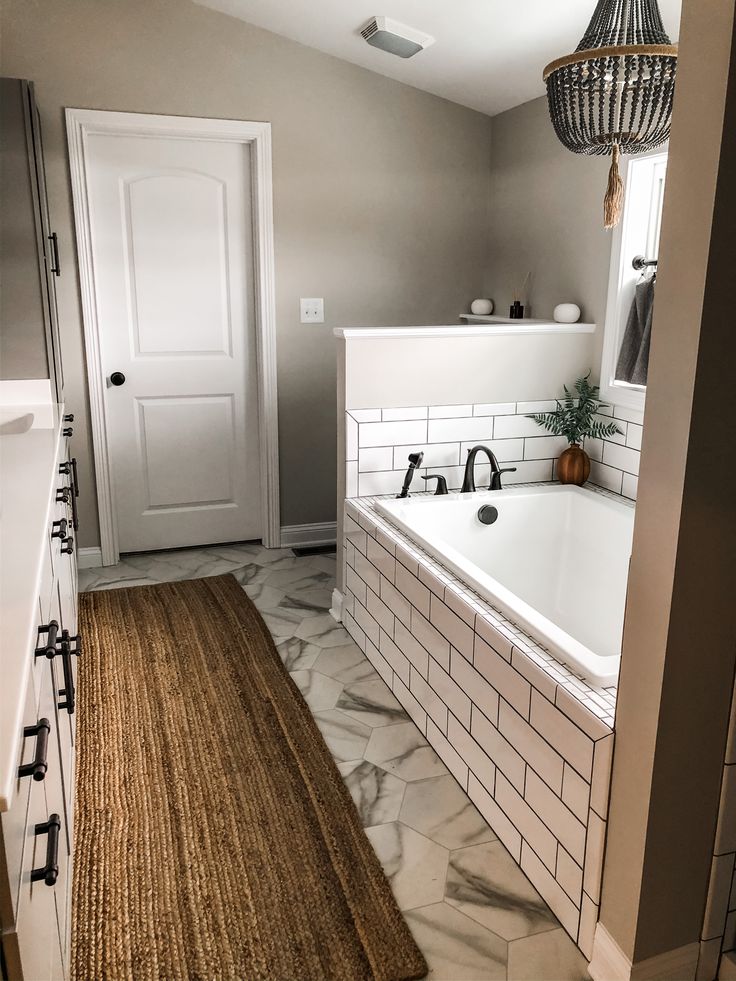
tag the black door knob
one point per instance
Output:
(117, 378)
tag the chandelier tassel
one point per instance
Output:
(614, 200)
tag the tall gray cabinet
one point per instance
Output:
(30, 262)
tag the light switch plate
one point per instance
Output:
(312, 310)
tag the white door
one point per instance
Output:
(172, 248)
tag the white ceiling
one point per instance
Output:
(489, 54)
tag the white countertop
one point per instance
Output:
(27, 483)
(479, 329)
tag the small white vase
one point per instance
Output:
(482, 308)
(566, 313)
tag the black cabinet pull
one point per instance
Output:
(56, 267)
(76, 640)
(75, 477)
(38, 765)
(58, 529)
(50, 872)
(75, 513)
(68, 690)
(69, 417)
(65, 468)
(50, 648)
(67, 545)
(63, 495)
(67, 431)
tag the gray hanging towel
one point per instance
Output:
(633, 358)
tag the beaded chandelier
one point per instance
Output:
(614, 94)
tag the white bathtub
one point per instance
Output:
(555, 562)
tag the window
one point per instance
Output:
(636, 235)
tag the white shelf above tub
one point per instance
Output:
(476, 327)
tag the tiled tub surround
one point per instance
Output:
(529, 742)
(378, 442)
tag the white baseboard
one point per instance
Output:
(336, 608)
(304, 536)
(609, 963)
(89, 558)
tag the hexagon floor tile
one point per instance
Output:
(415, 866)
(377, 794)
(440, 809)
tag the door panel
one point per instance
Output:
(172, 246)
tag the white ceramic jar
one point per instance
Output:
(482, 308)
(566, 313)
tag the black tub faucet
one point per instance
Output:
(496, 471)
(415, 461)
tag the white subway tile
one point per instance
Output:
(528, 472)
(630, 415)
(491, 634)
(380, 613)
(619, 437)
(557, 817)
(507, 681)
(351, 478)
(386, 540)
(350, 624)
(429, 700)
(475, 686)
(457, 767)
(555, 896)
(544, 447)
(382, 560)
(594, 448)
(594, 856)
(570, 742)
(379, 663)
(621, 457)
(726, 828)
(719, 888)
(526, 821)
(588, 922)
(366, 523)
(410, 587)
(601, 782)
(544, 405)
(570, 876)
(471, 753)
(449, 411)
(634, 435)
(393, 433)
(605, 476)
(394, 657)
(396, 415)
(406, 559)
(452, 627)
(495, 817)
(375, 458)
(630, 486)
(411, 649)
(432, 581)
(576, 793)
(379, 482)
(366, 622)
(538, 753)
(435, 455)
(460, 604)
(398, 604)
(356, 585)
(709, 956)
(367, 572)
(351, 438)
(731, 740)
(472, 428)
(574, 709)
(507, 426)
(451, 694)
(505, 451)
(412, 707)
(431, 639)
(501, 752)
(365, 415)
(494, 409)
(534, 673)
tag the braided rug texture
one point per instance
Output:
(215, 838)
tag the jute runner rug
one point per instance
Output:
(215, 838)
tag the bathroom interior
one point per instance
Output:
(367, 533)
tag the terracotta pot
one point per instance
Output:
(573, 466)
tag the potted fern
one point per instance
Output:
(574, 418)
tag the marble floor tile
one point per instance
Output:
(440, 809)
(415, 866)
(377, 794)
(457, 948)
(403, 750)
(372, 703)
(463, 894)
(320, 692)
(485, 883)
(548, 955)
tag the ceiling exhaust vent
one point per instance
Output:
(398, 39)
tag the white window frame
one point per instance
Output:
(634, 235)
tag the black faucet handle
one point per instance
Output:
(441, 483)
(496, 477)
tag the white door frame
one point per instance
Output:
(82, 123)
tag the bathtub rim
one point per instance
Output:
(595, 669)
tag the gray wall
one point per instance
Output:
(380, 191)
(547, 217)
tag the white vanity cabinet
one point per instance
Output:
(39, 649)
